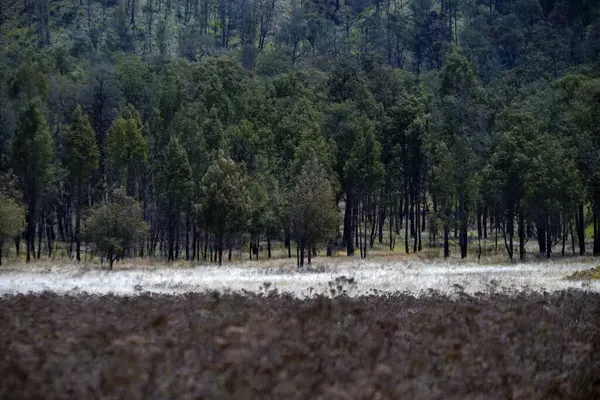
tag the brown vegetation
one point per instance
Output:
(588, 274)
(529, 346)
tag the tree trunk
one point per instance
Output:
(541, 236)
(485, 216)
(359, 236)
(580, 221)
(187, 237)
(365, 211)
(521, 230)
(510, 229)
(40, 236)
(446, 238)
(381, 223)
(596, 223)
(220, 252)
(287, 242)
(50, 235)
(17, 245)
(406, 234)
(269, 247)
(571, 230)
(392, 239)
(374, 223)
(78, 230)
(548, 239)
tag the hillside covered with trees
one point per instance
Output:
(185, 129)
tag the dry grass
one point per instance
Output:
(588, 274)
(532, 346)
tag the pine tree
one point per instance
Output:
(176, 188)
(312, 210)
(32, 153)
(81, 161)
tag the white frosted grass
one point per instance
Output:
(368, 278)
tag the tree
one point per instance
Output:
(115, 226)
(225, 201)
(81, 161)
(32, 153)
(12, 220)
(127, 148)
(175, 188)
(312, 210)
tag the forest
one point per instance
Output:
(185, 129)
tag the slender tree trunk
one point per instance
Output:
(510, 229)
(365, 211)
(269, 247)
(220, 251)
(356, 226)
(309, 254)
(206, 240)
(40, 236)
(548, 239)
(194, 243)
(381, 222)
(411, 211)
(580, 222)
(78, 226)
(288, 242)
(485, 217)
(187, 237)
(359, 236)
(446, 240)
(406, 227)
(374, 223)
(17, 245)
(464, 240)
(564, 237)
(50, 235)
(521, 230)
(572, 237)
(420, 229)
(596, 224)
(541, 233)
(399, 217)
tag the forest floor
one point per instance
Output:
(211, 346)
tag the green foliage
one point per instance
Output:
(81, 148)
(115, 227)
(465, 111)
(175, 180)
(225, 207)
(127, 147)
(312, 211)
(12, 220)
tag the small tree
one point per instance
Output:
(115, 226)
(12, 220)
(312, 210)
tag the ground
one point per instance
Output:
(386, 328)
(212, 346)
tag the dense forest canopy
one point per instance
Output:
(183, 128)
